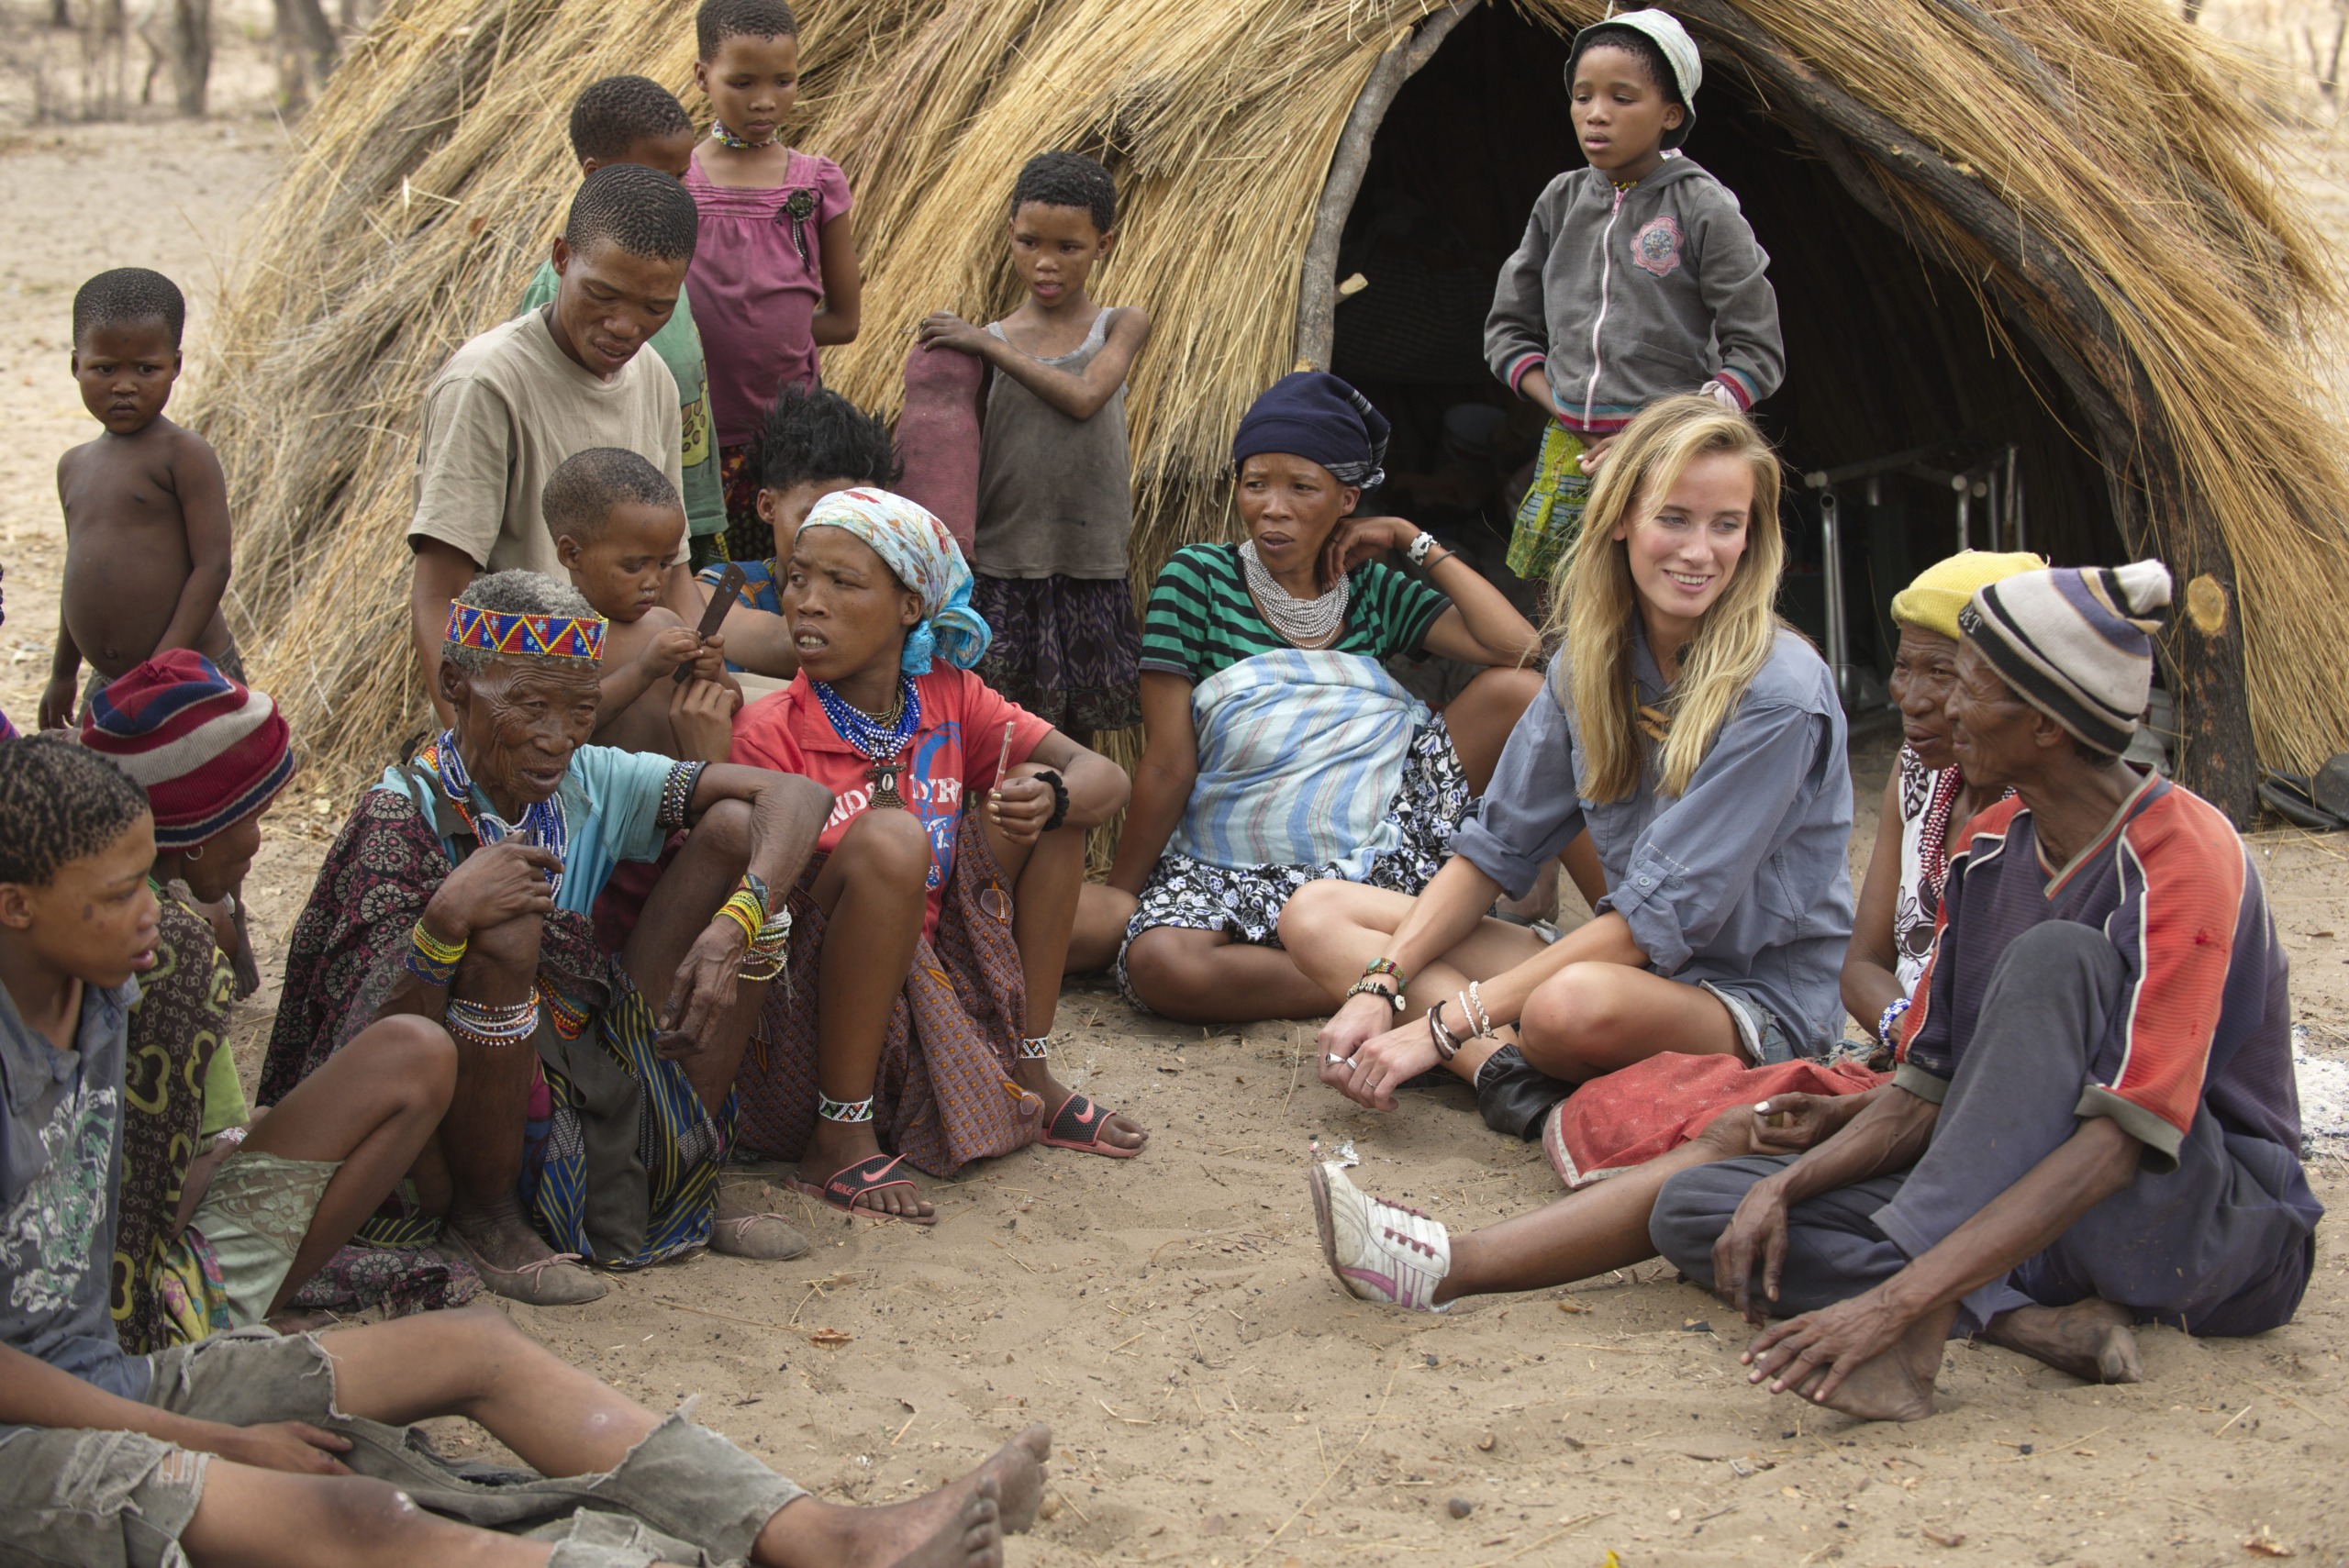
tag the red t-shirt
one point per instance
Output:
(952, 754)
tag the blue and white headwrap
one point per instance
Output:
(916, 547)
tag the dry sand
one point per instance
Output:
(1215, 1398)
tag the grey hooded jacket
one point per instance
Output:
(1626, 296)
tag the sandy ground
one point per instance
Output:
(1216, 1399)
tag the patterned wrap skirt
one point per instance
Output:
(1245, 902)
(1066, 649)
(944, 1095)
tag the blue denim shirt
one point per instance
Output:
(1744, 881)
(61, 1178)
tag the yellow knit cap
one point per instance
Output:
(1941, 590)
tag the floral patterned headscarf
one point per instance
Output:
(916, 547)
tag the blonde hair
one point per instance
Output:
(1596, 600)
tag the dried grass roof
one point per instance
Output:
(2091, 166)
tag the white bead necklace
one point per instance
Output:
(1307, 622)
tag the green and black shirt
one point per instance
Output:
(1201, 620)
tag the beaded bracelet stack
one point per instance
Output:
(431, 960)
(1379, 969)
(494, 1025)
(677, 795)
(766, 938)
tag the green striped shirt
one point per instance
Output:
(1202, 622)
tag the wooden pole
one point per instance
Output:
(1317, 299)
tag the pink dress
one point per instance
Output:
(756, 278)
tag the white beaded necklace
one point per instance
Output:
(1303, 622)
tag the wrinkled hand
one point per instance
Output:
(1836, 1340)
(703, 992)
(504, 881)
(291, 1446)
(1368, 1077)
(1791, 1124)
(944, 329)
(1356, 540)
(701, 717)
(1019, 807)
(1594, 454)
(57, 703)
(670, 647)
(1758, 1229)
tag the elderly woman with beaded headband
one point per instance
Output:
(1280, 751)
(932, 932)
(594, 1103)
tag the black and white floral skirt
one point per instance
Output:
(1244, 903)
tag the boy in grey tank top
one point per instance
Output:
(1055, 477)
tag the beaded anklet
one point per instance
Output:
(1035, 1048)
(494, 1025)
(832, 1109)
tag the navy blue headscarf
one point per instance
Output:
(1315, 416)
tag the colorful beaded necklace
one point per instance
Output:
(879, 739)
(727, 139)
(543, 824)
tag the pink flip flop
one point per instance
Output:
(869, 1175)
(1079, 1125)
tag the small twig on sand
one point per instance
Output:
(1330, 1473)
(1567, 1528)
(1296, 1059)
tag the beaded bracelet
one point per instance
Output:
(494, 1025)
(431, 960)
(769, 950)
(677, 794)
(1890, 1020)
(745, 910)
(1368, 985)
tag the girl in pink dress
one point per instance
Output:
(776, 259)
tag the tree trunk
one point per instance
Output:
(191, 54)
(307, 51)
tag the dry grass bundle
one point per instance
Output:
(2152, 255)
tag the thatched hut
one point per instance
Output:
(2042, 250)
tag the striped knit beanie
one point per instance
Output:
(2076, 643)
(209, 752)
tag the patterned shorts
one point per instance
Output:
(1245, 903)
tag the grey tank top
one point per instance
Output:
(1055, 493)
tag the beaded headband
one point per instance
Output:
(526, 637)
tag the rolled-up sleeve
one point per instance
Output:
(1530, 811)
(1696, 863)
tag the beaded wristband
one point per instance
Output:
(677, 794)
(832, 1109)
(1035, 1048)
(1368, 985)
(769, 950)
(1385, 966)
(431, 960)
(745, 911)
(494, 1026)
(1890, 1020)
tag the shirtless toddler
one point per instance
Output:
(146, 507)
(617, 527)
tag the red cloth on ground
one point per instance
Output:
(1651, 1108)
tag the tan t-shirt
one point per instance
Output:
(498, 420)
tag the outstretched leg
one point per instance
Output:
(1046, 878)
(873, 894)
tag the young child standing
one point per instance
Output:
(813, 443)
(618, 527)
(1055, 477)
(632, 120)
(776, 273)
(146, 505)
(1638, 277)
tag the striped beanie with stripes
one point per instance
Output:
(209, 752)
(2077, 643)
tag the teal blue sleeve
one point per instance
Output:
(623, 789)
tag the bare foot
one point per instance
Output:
(515, 1263)
(2091, 1339)
(811, 1532)
(973, 1539)
(1897, 1385)
(836, 1146)
(1035, 1075)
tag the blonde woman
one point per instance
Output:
(1699, 741)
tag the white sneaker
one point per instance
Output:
(1379, 1251)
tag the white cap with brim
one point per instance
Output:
(1663, 29)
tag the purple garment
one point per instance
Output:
(756, 278)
